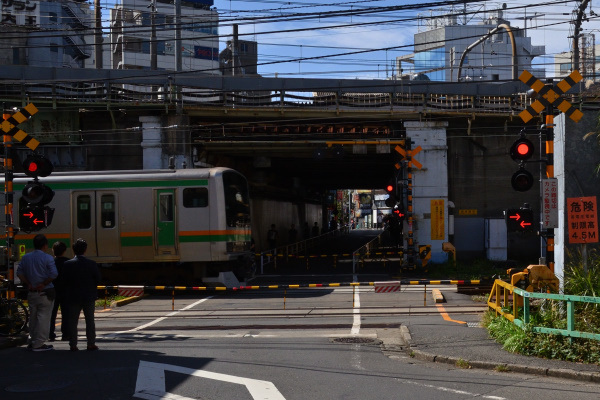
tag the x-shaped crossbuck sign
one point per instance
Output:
(9, 126)
(550, 95)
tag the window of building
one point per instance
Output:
(52, 17)
(195, 197)
(133, 45)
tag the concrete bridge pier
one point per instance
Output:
(430, 185)
(161, 142)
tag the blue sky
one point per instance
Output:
(321, 35)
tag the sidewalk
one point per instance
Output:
(469, 345)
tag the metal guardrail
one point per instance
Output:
(122, 95)
(499, 299)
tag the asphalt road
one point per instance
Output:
(295, 345)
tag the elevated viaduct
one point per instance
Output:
(297, 139)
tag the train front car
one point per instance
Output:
(233, 223)
(217, 241)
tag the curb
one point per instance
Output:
(437, 295)
(128, 300)
(488, 365)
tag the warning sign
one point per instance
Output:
(437, 219)
(582, 219)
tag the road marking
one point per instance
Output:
(455, 391)
(156, 321)
(445, 315)
(150, 382)
(356, 311)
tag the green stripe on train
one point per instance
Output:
(123, 184)
(213, 238)
(136, 241)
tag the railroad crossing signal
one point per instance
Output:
(521, 151)
(550, 96)
(9, 126)
(409, 154)
(519, 219)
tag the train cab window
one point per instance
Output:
(195, 197)
(107, 204)
(84, 212)
(166, 207)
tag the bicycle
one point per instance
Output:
(13, 313)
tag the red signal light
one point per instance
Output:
(521, 150)
(33, 167)
(389, 188)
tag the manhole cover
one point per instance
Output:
(356, 340)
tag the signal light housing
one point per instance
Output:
(37, 166)
(522, 180)
(521, 150)
(392, 199)
(37, 193)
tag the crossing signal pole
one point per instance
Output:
(549, 95)
(10, 129)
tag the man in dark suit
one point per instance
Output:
(82, 277)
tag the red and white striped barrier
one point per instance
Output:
(131, 291)
(387, 287)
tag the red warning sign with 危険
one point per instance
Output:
(582, 219)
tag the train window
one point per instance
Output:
(84, 212)
(166, 207)
(195, 197)
(237, 204)
(107, 204)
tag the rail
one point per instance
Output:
(500, 297)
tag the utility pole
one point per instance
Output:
(234, 51)
(98, 34)
(576, 33)
(178, 35)
(153, 47)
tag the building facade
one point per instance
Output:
(446, 44)
(131, 29)
(46, 33)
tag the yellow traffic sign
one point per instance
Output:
(550, 96)
(10, 127)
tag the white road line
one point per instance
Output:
(455, 391)
(356, 311)
(156, 321)
(150, 382)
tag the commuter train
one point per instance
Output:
(191, 222)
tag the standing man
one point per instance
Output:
(37, 271)
(59, 249)
(82, 277)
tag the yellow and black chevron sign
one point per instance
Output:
(9, 126)
(550, 96)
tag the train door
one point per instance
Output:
(95, 219)
(165, 222)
